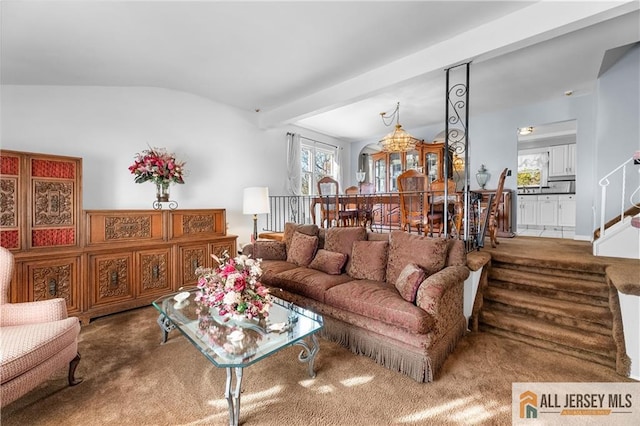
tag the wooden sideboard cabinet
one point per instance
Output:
(505, 207)
(136, 256)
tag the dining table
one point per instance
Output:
(364, 204)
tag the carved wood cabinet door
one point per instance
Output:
(154, 272)
(110, 278)
(11, 234)
(49, 279)
(219, 247)
(53, 201)
(190, 258)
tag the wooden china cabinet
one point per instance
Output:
(387, 166)
(99, 261)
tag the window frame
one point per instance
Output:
(544, 166)
(314, 176)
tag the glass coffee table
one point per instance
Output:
(236, 343)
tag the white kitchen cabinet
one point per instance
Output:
(562, 160)
(567, 210)
(548, 210)
(527, 209)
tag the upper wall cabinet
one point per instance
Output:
(562, 160)
(40, 205)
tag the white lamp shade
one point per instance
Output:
(255, 200)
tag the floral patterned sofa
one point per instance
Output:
(395, 297)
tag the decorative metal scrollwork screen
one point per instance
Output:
(456, 144)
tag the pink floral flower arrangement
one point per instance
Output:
(234, 287)
(157, 165)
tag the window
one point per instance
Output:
(533, 168)
(316, 164)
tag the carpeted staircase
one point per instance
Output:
(553, 306)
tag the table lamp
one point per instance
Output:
(255, 201)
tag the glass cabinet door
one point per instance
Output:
(395, 169)
(380, 171)
(432, 166)
(412, 160)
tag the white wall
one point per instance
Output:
(618, 127)
(224, 149)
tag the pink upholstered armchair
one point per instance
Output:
(37, 339)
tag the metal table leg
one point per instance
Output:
(166, 326)
(308, 354)
(233, 397)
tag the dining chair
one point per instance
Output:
(438, 201)
(493, 212)
(331, 210)
(351, 208)
(367, 188)
(367, 208)
(329, 206)
(414, 203)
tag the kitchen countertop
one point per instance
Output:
(546, 193)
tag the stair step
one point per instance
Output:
(551, 263)
(596, 275)
(542, 280)
(566, 297)
(556, 334)
(544, 344)
(576, 315)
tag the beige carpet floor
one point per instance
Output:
(131, 379)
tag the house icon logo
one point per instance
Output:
(528, 405)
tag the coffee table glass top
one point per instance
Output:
(237, 342)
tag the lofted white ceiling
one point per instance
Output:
(327, 66)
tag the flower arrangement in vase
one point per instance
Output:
(160, 167)
(234, 287)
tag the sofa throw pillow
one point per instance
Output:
(428, 253)
(409, 281)
(341, 238)
(291, 228)
(269, 250)
(368, 260)
(302, 250)
(330, 262)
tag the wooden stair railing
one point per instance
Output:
(632, 211)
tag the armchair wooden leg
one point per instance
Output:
(72, 371)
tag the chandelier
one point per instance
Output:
(398, 140)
